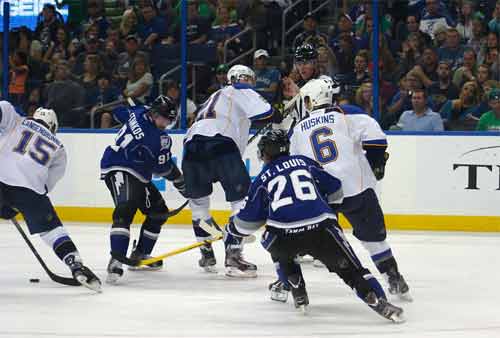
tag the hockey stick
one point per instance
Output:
(135, 262)
(53, 276)
(216, 231)
(174, 212)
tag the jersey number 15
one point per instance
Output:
(39, 150)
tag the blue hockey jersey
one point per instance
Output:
(140, 148)
(289, 192)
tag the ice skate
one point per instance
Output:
(318, 264)
(299, 293)
(399, 287)
(301, 259)
(115, 271)
(85, 277)
(136, 255)
(207, 261)
(236, 266)
(384, 308)
(279, 291)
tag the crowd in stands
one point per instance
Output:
(439, 60)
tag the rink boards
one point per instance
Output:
(445, 182)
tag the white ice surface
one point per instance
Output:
(454, 279)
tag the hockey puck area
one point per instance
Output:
(34, 280)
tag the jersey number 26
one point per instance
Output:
(302, 186)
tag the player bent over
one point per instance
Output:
(33, 161)
(213, 149)
(141, 149)
(291, 196)
(350, 146)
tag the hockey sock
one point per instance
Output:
(381, 255)
(232, 242)
(200, 208)
(150, 231)
(62, 245)
(236, 206)
(200, 234)
(367, 284)
(119, 238)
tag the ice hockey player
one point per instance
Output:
(291, 196)
(33, 161)
(213, 151)
(351, 147)
(141, 149)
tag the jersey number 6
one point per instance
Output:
(325, 149)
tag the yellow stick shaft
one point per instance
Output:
(178, 251)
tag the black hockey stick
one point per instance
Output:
(176, 211)
(262, 130)
(53, 276)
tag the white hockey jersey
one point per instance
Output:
(229, 112)
(335, 140)
(31, 156)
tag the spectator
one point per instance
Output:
(95, 17)
(91, 47)
(126, 58)
(440, 35)
(106, 93)
(311, 33)
(468, 71)
(24, 38)
(19, 72)
(198, 27)
(344, 27)
(413, 26)
(267, 78)
(153, 28)
(38, 68)
(452, 51)
(411, 52)
(425, 71)
(464, 25)
(88, 80)
(223, 31)
(60, 45)
(443, 89)
(421, 117)
(364, 97)
(327, 63)
(66, 97)
(483, 75)
(128, 24)
(494, 24)
(491, 44)
(220, 79)
(139, 81)
(361, 74)
(46, 30)
(433, 15)
(114, 37)
(385, 57)
(345, 53)
(402, 100)
(462, 113)
(490, 121)
(477, 35)
(172, 90)
(487, 87)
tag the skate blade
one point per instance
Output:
(279, 297)
(406, 297)
(112, 278)
(210, 269)
(94, 285)
(397, 318)
(236, 273)
(303, 309)
(144, 268)
(318, 264)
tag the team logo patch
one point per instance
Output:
(165, 142)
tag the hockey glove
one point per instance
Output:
(7, 212)
(379, 170)
(377, 157)
(180, 185)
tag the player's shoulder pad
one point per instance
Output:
(351, 109)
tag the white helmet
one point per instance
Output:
(236, 72)
(48, 116)
(317, 93)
